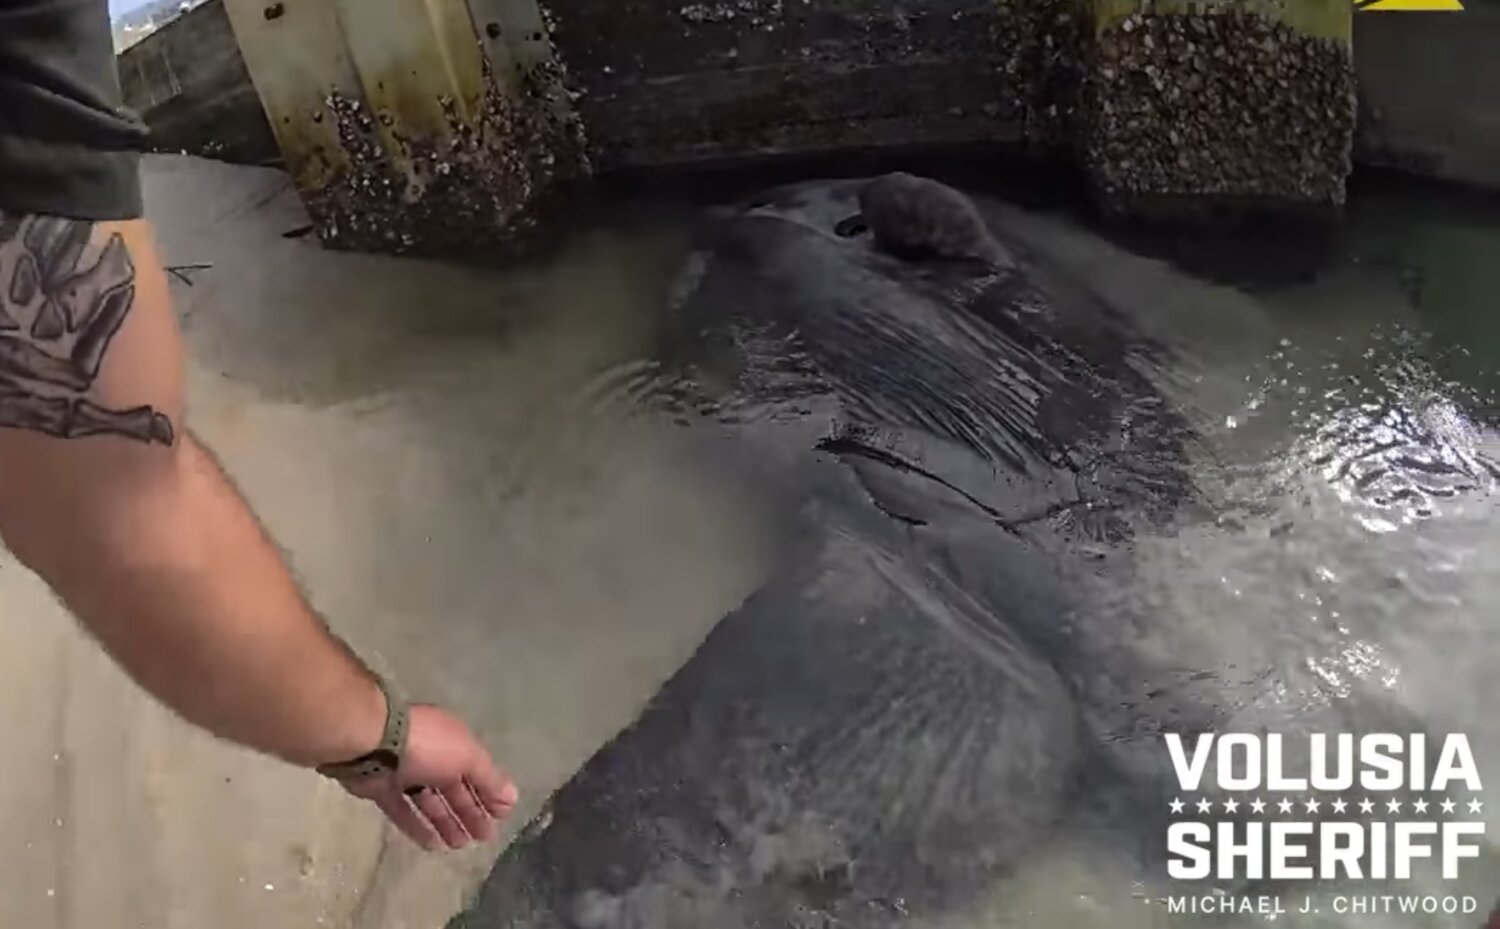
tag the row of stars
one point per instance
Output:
(1312, 806)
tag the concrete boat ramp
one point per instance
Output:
(400, 427)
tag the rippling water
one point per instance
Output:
(1353, 459)
(1288, 480)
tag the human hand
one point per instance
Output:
(447, 790)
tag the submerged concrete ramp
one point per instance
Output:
(412, 434)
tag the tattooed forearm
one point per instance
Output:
(63, 297)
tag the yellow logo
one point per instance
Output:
(1409, 6)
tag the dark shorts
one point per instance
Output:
(68, 147)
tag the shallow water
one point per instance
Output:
(496, 484)
(490, 486)
(1333, 570)
(1354, 464)
(413, 435)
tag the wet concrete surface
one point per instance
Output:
(419, 439)
(483, 479)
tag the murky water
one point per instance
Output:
(1325, 438)
(1351, 453)
(493, 483)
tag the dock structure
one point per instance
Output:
(440, 128)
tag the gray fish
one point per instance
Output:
(935, 682)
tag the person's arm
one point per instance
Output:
(107, 496)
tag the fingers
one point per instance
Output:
(447, 790)
(431, 804)
(493, 789)
(474, 818)
(401, 813)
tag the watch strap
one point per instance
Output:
(386, 756)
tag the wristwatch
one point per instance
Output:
(386, 757)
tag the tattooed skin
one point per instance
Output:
(62, 300)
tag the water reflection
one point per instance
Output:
(1381, 427)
